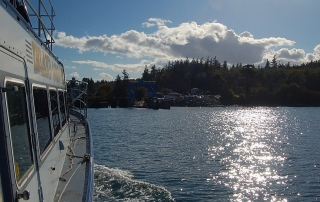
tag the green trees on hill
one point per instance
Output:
(104, 92)
(274, 84)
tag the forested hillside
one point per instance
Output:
(274, 84)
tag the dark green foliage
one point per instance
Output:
(105, 93)
(165, 91)
(274, 85)
(227, 97)
(121, 85)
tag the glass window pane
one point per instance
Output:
(62, 108)
(42, 116)
(19, 128)
(55, 112)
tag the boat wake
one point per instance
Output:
(112, 184)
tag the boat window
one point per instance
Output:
(19, 128)
(62, 108)
(42, 116)
(55, 112)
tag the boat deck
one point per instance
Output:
(75, 171)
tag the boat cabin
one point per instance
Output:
(35, 119)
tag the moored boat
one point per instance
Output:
(45, 140)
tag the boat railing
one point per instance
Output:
(77, 98)
(39, 17)
(39, 21)
(90, 184)
(42, 20)
(77, 103)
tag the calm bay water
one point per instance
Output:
(206, 154)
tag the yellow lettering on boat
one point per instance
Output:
(45, 65)
(57, 72)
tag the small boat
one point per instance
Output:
(46, 151)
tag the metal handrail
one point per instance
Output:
(77, 91)
(90, 188)
(41, 26)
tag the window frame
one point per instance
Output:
(23, 179)
(63, 122)
(59, 132)
(49, 146)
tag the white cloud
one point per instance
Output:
(75, 75)
(315, 55)
(246, 34)
(69, 41)
(148, 24)
(155, 21)
(68, 67)
(317, 49)
(293, 54)
(189, 39)
(312, 57)
(137, 67)
(106, 76)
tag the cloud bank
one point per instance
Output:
(75, 75)
(106, 76)
(190, 40)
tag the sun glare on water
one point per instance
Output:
(249, 153)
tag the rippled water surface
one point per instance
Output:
(206, 154)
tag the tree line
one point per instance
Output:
(275, 84)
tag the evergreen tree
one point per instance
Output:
(267, 64)
(117, 87)
(216, 63)
(145, 74)
(283, 84)
(274, 62)
(125, 83)
(225, 65)
(125, 75)
(153, 73)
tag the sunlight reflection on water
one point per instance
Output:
(209, 154)
(249, 153)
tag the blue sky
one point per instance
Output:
(99, 39)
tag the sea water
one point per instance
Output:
(206, 154)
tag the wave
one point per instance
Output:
(112, 184)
